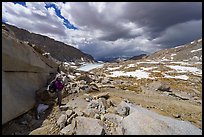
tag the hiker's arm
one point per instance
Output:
(48, 88)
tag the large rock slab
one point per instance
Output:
(41, 131)
(142, 121)
(69, 129)
(18, 93)
(88, 126)
(19, 56)
(24, 71)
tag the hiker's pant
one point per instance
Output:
(59, 96)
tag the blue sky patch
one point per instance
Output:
(21, 3)
(58, 13)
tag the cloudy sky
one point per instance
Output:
(110, 28)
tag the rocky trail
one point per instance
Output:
(102, 105)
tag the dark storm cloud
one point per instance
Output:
(118, 34)
(153, 17)
(166, 24)
(100, 50)
(86, 15)
(180, 34)
(158, 16)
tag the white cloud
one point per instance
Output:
(110, 29)
(98, 5)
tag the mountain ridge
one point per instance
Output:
(64, 53)
(191, 51)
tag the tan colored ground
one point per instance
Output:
(137, 92)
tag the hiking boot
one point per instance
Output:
(62, 104)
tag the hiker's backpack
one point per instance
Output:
(59, 84)
(52, 87)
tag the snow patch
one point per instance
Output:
(198, 63)
(100, 61)
(195, 58)
(138, 73)
(156, 71)
(183, 77)
(114, 68)
(150, 68)
(71, 76)
(199, 40)
(77, 74)
(130, 65)
(66, 64)
(73, 67)
(46, 53)
(193, 70)
(88, 67)
(152, 62)
(180, 62)
(196, 50)
(165, 59)
(173, 54)
(179, 46)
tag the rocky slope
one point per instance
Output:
(141, 97)
(174, 73)
(188, 52)
(138, 57)
(57, 50)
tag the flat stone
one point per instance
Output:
(122, 109)
(78, 112)
(104, 95)
(69, 120)
(69, 113)
(69, 129)
(64, 108)
(89, 126)
(62, 121)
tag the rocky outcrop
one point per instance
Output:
(145, 122)
(191, 52)
(24, 71)
(137, 57)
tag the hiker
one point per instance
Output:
(57, 86)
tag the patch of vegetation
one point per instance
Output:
(135, 88)
(156, 74)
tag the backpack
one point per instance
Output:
(51, 87)
(59, 84)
